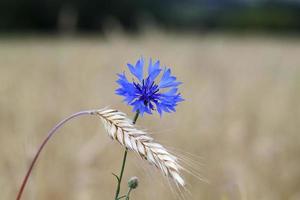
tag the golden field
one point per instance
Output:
(241, 115)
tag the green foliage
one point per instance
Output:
(130, 14)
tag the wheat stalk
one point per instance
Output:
(121, 129)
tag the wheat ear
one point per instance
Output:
(121, 129)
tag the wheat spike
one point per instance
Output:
(121, 129)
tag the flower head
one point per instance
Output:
(146, 94)
(133, 182)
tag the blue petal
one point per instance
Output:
(122, 79)
(140, 106)
(171, 92)
(137, 71)
(126, 89)
(158, 108)
(179, 98)
(120, 91)
(153, 70)
(165, 108)
(168, 101)
(167, 80)
(129, 98)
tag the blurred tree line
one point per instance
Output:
(96, 15)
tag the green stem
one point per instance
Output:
(128, 194)
(121, 197)
(136, 117)
(121, 175)
(124, 162)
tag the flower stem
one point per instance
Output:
(135, 117)
(124, 162)
(50, 134)
(128, 194)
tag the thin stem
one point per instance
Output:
(136, 116)
(121, 175)
(50, 134)
(128, 194)
(121, 197)
(124, 162)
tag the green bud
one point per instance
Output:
(133, 182)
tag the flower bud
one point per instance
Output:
(133, 182)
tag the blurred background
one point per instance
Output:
(239, 62)
(132, 15)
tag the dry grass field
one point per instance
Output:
(241, 115)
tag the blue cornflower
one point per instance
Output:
(146, 94)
